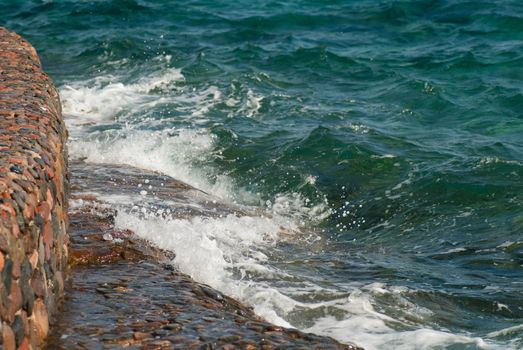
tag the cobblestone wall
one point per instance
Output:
(33, 196)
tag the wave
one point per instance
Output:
(235, 254)
(155, 120)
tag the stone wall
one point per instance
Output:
(33, 196)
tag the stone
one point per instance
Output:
(8, 336)
(25, 321)
(41, 318)
(27, 295)
(162, 343)
(141, 335)
(25, 345)
(30, 238)
(229, 338)
(38, 284)
(14, 300)
(16, 265)
(173, 327)
(7, 274)
(33, 259)
(4, 243)
(273, 328)
(48, 239)
(16, 169)
(18, 330)
(59, 282)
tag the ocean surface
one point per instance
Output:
(377, 145)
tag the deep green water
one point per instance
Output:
(389, 132)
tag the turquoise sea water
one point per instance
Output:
(385, 136)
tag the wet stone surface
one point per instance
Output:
(144, 305)
(183, 200)
(123, 293)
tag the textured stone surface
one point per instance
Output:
(33, 198)
(123, 294)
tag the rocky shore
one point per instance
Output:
(120, 292)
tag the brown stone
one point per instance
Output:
(59, 281)
(267, 347)
(154, 325)
(44, 210)
(273, 328)
(40, 318)
(4, 242)
(16, 266)
(141, 335)
(162, 344)
(8, 337)
(138, 325)
(25, 320)
(33, 259)
(14, 300)
(25, 345)
(38, 284)
(48, 239)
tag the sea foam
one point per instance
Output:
(233, 253)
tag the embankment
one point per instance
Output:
(33, 196)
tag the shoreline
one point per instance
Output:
(146, 302)
(36, 253)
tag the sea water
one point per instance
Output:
(376, 147)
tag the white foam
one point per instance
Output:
(359, 128)
(373, 334)
(108, 99)
(252, 104)
(506, 331)
(231, 253)
(373, 330)
(454, 250)
(172, 152)
(216, 250)
(104, 98)
(493, 160)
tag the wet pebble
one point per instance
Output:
(141, 335)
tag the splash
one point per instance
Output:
(105, 98)
(112, 121)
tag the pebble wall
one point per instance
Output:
(33, 196)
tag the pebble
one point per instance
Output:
(8, 336)
(14, 301)
(18, 330)
(41, 318)
(141, 335)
